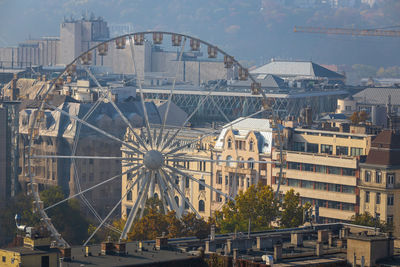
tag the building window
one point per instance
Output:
(241, 164)
(226, 179)
(229, 161)
(3, 259)
(390, 200)
(390, 178)
(219, 178)
(251, 145)
(378, 177)
(342, 150)
(219, 158)
(186, 204)
(378, 198)
(201, 206)
(229, 143)
(367, 197)
(367, 177)
(312, 148)
(389, 220)
(251, 163)
(334, 170)
(218, 197)
(176, 200)
(355, 151)
(299, 146)
(201, 186)
(129, 196)
(327, 149)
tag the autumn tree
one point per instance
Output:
(193, 226)
(257, 205)
(359, 117)
(292, 210)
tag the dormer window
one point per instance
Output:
(251, 145)
(229, 143)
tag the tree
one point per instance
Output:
(367, 219)
(256, 204)
(359, 117)
(22, 205)
(292, 211)
(193, 226)
(66, 217)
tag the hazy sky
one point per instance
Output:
(253, 30)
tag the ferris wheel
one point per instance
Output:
(152, 150)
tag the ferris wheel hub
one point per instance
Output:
(153, 160)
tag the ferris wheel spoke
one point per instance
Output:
(95, 186)
(168, 190)
(81, 157)
(162, 194)
(189, 117)
(95, 128)
(111, 212)
(171, 93)
(187, 144)
(182, 195)
(151, 184)
(131, 44)
(134, 210)
(127, 122)
(173, 169)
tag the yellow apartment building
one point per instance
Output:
(228, 161)
(323, 167)
(199, 166)
(379, 180)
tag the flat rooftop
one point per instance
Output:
(133, 257)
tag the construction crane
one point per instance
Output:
(343, 31)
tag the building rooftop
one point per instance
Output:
(296, 68)
(378, 96)
(385, 149)
(133, 258)
(29, 251)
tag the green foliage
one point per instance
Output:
(66, 217)
(257, 204)
(292, 211)
(367, 219)
(22, 205)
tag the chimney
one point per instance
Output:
(107, 247)
(308, 116)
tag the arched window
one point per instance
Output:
(177, 200)
(251, 145)
(219, 158)
(129, 196)
(155, 195)
(201, 206)
(229, 161)
(251, 163)
(229, 143)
